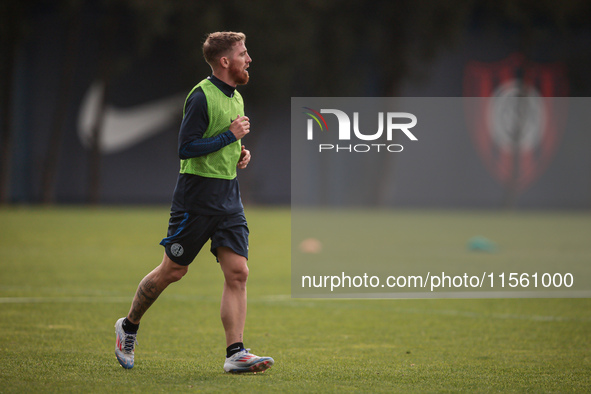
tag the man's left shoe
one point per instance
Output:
(243, 361)
(124, 345)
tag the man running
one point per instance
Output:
(206, 203)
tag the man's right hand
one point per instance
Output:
(240, 127)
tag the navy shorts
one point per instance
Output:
(187, 233)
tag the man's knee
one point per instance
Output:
(239, 274)
(172, 271)
(234, 266)
(178, 274)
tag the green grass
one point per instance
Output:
(384, 242)
(66, 275)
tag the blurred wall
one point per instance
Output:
(401, 48)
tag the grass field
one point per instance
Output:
(67, 274)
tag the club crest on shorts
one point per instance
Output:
(176, 250)
(517, 125)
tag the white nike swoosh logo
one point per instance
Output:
(125, 127)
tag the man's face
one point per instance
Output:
(239, 62)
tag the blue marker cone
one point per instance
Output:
(482, 244)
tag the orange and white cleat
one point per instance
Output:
(124, 345)
(244, 361)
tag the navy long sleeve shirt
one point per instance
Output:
(194, 193)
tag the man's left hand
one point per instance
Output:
(244, 158)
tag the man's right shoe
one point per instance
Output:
(124, 345)
(244, 361)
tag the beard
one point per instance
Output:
(239, 75)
